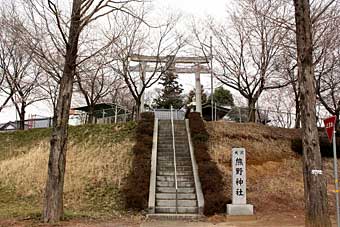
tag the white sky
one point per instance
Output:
(188, 9)
(198, 8)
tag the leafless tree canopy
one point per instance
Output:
(20, 74)
(137, 38)
(248, 50)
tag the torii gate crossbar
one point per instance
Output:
(142, 68)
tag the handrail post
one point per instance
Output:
(174, 149)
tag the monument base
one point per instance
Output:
(240, 209)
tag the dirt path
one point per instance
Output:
(277, 220)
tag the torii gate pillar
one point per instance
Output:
(197, 69)
(198, 89)
(142, 72)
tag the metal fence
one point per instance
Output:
(28, 124)
(275, 118)
(104, 117)
(269, 117)
(165, 114)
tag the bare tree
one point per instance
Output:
(26, 91)
(316, 204)
(134, 40)
(286, 62)
(96, 80)
(19, 71)
(44, 38)
(83, 12)
(327, 67)
(247, 52)
(8, 46)
(5, 90)
(287, 68)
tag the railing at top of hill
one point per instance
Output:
(165, 114)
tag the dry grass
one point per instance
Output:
(95, 172)
(274, 170)
(262, 143)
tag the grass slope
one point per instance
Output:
(274, 166)
(108, 168)
(99, 158)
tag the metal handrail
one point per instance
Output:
(174, 149)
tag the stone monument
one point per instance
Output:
(239, 204)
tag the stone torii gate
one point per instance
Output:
(196, 67)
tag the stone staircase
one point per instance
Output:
(165, 192)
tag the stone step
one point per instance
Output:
(172, 203)
(173, 190)
(177, 136)
(182, 184)
(179, 148)
(170, 150)
(169, 141)
(169, 163)
(171, 154)
(168, 135)
(179, 123)
(173, 196)
(171, 168)
(181, 210)
(171, 178)
(168, 132)
(167, 150)
(172, 217)
(171, 173)
(169, 145)
(169, 124)
(170, 158)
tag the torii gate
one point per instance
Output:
(196, 68)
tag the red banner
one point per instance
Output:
(329, 125)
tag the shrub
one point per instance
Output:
(211, 178)
(136, 188)
(326, 148)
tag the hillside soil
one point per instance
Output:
(289, 219)
(274, 165)
(99, 159)
(100, 183)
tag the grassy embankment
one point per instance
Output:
(274, 166)
(99, 159)
(100, 180)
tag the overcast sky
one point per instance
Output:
(196, 7)
(188, 9)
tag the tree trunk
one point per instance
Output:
(90, 119)
(53, 202)
(251, 110)
(22, 116)
(297, 114)
(138, 102)
(315, 188)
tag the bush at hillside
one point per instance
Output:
(136, 188)
(213, 186)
